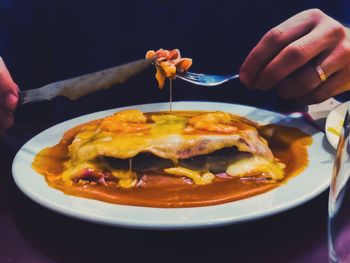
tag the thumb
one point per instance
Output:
(8, 88)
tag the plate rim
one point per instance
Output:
(154, 224)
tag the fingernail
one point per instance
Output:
(10, 101)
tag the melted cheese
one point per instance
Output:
(196, 176)
(170, 136)
(214, 122)
(127, 179)
(257, 165)
(167, 124)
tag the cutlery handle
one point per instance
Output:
(77, 87)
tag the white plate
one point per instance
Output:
(334, 123)
(296, 191)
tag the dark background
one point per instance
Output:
(45, 41)
(49, 40)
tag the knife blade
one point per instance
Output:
(77, 87)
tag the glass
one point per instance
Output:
(339, 200)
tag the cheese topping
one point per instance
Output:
(196, 176)
(173, 137)
(253, 166)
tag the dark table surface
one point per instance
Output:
(31, 233)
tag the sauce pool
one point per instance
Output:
(288, 144)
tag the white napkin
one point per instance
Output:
(319, 112)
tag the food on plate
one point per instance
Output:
(173, 159)
(167, 63)
(336, 130)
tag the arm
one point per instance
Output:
(8, 98)
(287, 56)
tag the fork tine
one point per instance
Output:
(188, 79)
(193, 74)
(205, 79)
(190, 76)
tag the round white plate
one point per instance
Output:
(311, 182)
(334, 123)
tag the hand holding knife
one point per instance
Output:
(77, 87)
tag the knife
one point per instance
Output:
(77, 87)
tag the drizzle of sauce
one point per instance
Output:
(288, 144)
(170, 95)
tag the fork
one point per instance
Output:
(205, 79)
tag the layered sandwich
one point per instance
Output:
(196, 146)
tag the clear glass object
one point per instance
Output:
(339, 199)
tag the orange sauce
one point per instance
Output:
(288, 144)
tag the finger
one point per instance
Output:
(336, 84)
(272, 43)
(299, 84)
(304, 81)
(298, 53)
(9, 100)
(6, 119)
(8, 88)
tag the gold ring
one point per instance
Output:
(321, 73)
